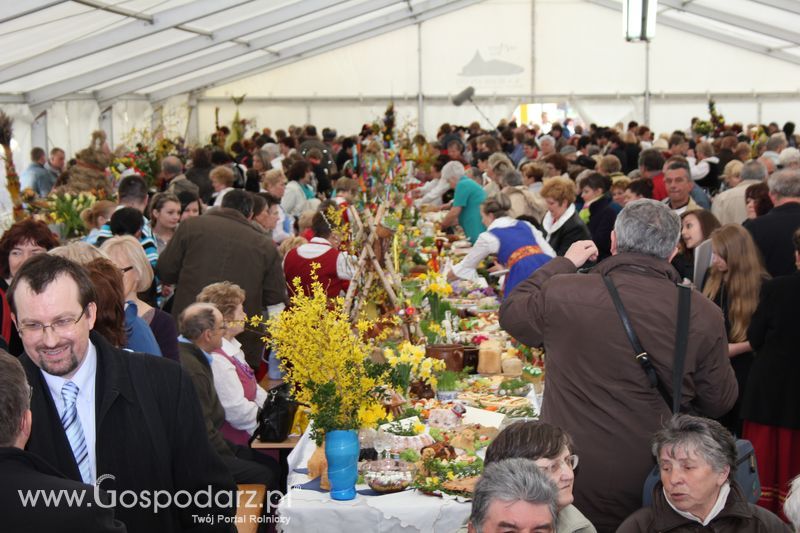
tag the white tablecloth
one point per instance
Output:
(308, 511)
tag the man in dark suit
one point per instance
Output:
(773, 231)
(123, 421)
(24, 473)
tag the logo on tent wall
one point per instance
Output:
(478, 66)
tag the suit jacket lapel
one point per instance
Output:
(112, 384)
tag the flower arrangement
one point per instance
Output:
(325, 360)
(436, 288)
(151, 147)
(65, 209)
(408, 363)
(122, 166)
(717, 120)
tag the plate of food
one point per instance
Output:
(455, 477)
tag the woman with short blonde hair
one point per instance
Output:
(561, 222)
(137, 276)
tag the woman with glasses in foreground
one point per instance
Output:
(550, 448)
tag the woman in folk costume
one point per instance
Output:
(519, 246)
(336, 268)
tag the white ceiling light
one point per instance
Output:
(639, 19)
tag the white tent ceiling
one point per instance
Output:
(154, 49)
(70, 65)
(159, 48)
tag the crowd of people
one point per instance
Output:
(172, 270)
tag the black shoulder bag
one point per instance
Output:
(746, 474)
(276, 416)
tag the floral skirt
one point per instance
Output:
(778, 455)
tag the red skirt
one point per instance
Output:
(778, 455)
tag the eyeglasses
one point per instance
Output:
(126, 269)
(59, 327)
(571, 462)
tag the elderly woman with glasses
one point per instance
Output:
(237, 388)
(697, 457)
(550, 448)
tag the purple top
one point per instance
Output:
(165, 332)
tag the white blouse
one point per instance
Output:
(239, 411)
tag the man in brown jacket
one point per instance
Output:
(595, 388)
(223, 245)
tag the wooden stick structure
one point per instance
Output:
(369, 266)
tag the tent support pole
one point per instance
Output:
(533, 48)
(420, 99)
(106, 123)
(647, 82)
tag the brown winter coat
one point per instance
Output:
(595, 389)
(222, 245)
(737, 516)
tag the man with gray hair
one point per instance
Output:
(513, 495)
(775, 145)
(730, 206)
(697, 460)
(25, 472)
(596, 388)
(773, 231)
(789, 158)
(201, 329)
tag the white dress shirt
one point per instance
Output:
(239, 411)
(488, 244)
(84, 378)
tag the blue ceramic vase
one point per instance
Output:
(341, 451)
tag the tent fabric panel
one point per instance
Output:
(496, 63)
(340, 72)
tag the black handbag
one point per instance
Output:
(276, 416)
(746, 471)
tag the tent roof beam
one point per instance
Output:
(186, 67)
(20, 9)
(46, 93)
(378, 26)
(125, 33)
(711, 34)
(733, 20)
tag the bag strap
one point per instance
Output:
(681, 343)
(641, 354)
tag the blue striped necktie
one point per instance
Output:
(74, 430)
